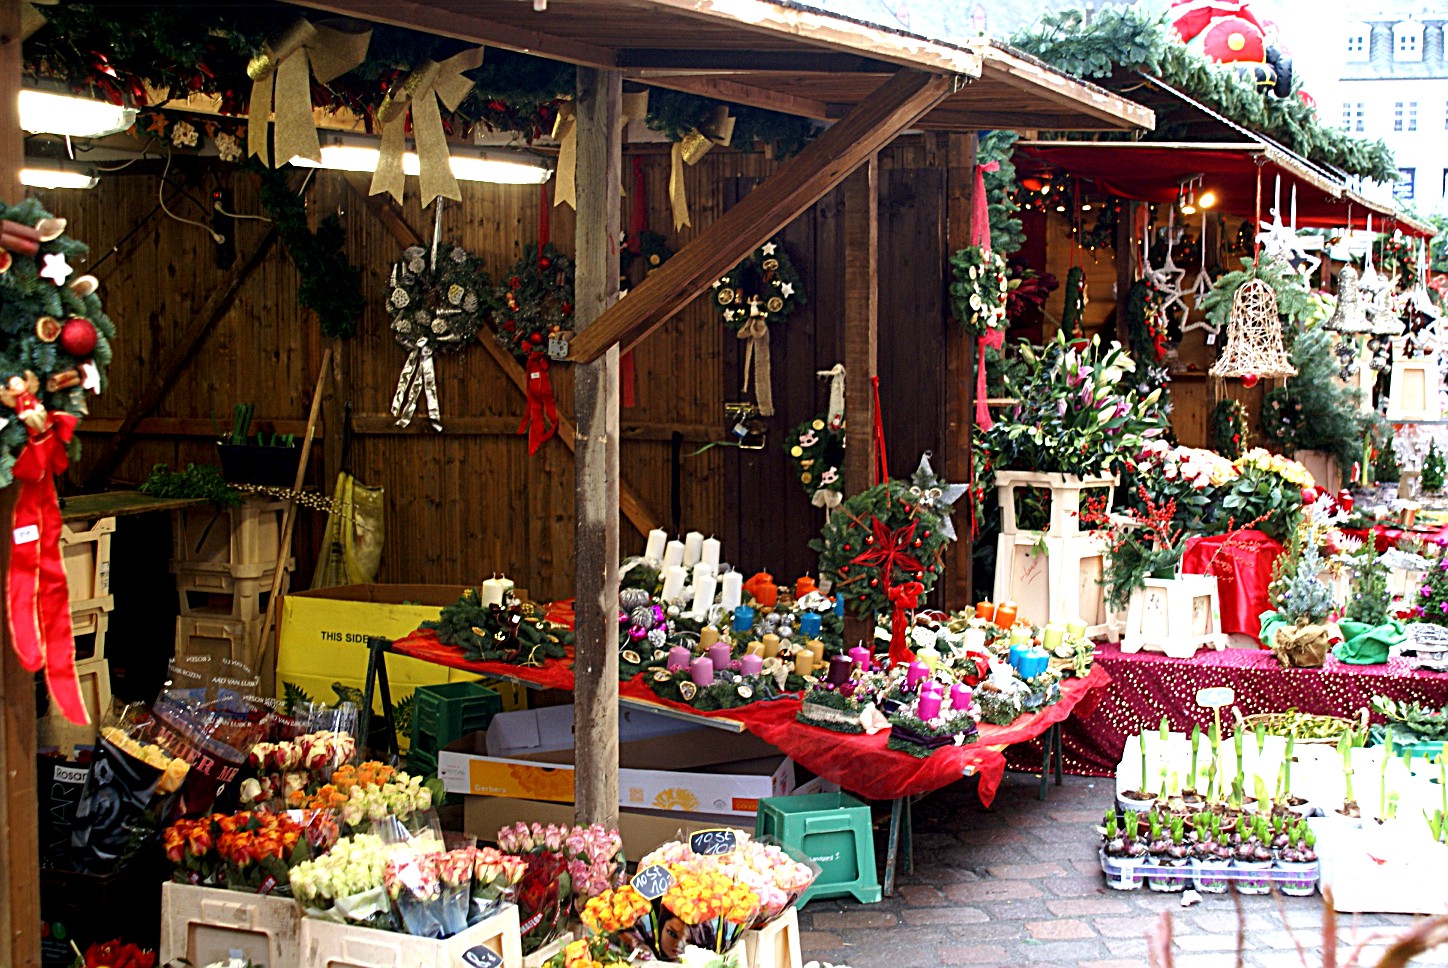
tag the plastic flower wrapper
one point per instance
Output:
(455, 870)
(414, 887)
(713, 908)
(545, 894)
(595, 952)
(346, 884)
(495, 881)
(591, 858)
(777, 875)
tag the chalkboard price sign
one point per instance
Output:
(713, 842)
(482, 956)
(653, 881)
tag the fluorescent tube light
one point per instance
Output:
(57, 178)
(46, 112)
(502, 168)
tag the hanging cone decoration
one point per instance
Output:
(1254, 337)
(1349, 316)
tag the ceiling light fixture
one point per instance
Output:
(350, 153)
(51, 175)
(49, 112)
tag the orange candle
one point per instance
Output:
(1005, 615)
(803, 586)
(985, 611)
(762, 587)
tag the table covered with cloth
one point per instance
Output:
(1145, 686)
(859, 763)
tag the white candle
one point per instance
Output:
(710, 552)
(492, 592)
(733, 592)
(693, 546)
(655, 548)
(507, 586)
(704, 594)
(674, 578)
(975, 639)
(702, 570)
(673, 554)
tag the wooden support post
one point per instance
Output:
(960, 150)
(19, 822)
(1125, 267)
(862, 310)
(595, 607)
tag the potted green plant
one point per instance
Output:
(1140, 799)
(1122, 853)
(1170, 853)
(266, 460)
(1297, 860)
(1211, 857)
(1252, 854)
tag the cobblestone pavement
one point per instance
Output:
(1019, 884)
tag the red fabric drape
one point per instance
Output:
(1242, 562)
(541, 404)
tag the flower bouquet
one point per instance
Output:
(495, 881)
(1270, 490)
(414, 886)
(346, 884)
(777, 875)
(286, 770)
(371, 792)
(566, 867)
(715, 908)
(130, 790)
(114, 954)
(248, 851)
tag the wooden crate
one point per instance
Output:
(219, 638)
(237, 592)
(1414, 390)
(326, 944)
(89, 626)
(95, 690)
(208, 924)
(1066, 491)
(1176, 616)
(776, 945)
(1053, 579)
(86, 550)
(249, 534)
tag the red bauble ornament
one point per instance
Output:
(1249, 380)
(874, 583)
(918, 542)
(78, 336)
(925, 534)
(544, 262)
(1309, 495)
(847, 548)
(536, 339)
(869, 539)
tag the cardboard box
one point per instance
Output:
(532, 731)
(326, 944)
(698, 771)
(209, 924)
(641, 830)
(322, 639)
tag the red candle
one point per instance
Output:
(985, 611)
(803, 586)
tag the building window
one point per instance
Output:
(1397, 115)
(1403, 187)
(1359, 42)
(1412, 115)
(1408, 41)
(1357, 123)
(1347, 117)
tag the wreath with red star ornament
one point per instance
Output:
(880, 539)
(535, 301)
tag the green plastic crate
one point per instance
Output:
(445, 713)
(834, 831)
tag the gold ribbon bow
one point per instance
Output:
(565, 132)
(756, 331)
(282, 74)
(421, 90)
(689, 150)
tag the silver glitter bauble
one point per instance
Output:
(673, 611)
(786, 632)
(642, 616)
(632, 598)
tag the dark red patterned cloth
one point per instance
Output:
(1146, 686)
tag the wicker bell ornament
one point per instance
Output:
(1254, 337)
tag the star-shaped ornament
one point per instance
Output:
(718, 283)
(786, 289)
(56, 269)
(768, 248)
(935, 494)
(90, 377)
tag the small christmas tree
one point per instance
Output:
(1433, 466)
(1386, 469)
(1433, 594)
(1370, 601)
(1297, 592)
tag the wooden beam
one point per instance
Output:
(19, 822)
(454, 20)
(390, 213)
(1075, 96)
(798, 184)
(188, 343)
(785, 61)
(739, 92)
(185, 426)
(381, 424)
(599, 104)
(960, 161)
(862, 311)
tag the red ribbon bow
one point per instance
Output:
(540, 403)
(904, 598)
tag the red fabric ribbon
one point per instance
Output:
(882, 466)
(993, 339)
(904, 598)
(540, 404)
(980, 208)
(39, 596)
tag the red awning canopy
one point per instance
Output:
(1153, 172)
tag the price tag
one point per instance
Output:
(740, 431)
(653, 881)
(1216, 697)
(482, 956)
(713, 842)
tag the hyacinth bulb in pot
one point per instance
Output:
(1140, 799)
(1252, 853)
(1170, 853)
(1350, 811)
(1191, 797)
(1123, 853)
(1211, 856)
(1297, 859)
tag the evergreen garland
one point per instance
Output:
(730, 692)
(516, 633)
(1294, 301)
(196, 481)
(675, 114)
(978, 288)
(1007, 234)
(1313, 410)
(885, 513)
(1136, 38)
(817, 450)
(1146, 325)
(1231, 434)
(1074, 307)
(328, 284)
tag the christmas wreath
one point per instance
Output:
(536, 302)
(515, 633)
(1230, 431)
(729, 691)
(978, 289)
(818, 451)
(880, 539)
(763, 285)
(1146, 322)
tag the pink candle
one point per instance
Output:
(960, 696)
(928, 706)
(702, 671)
(719, 654)
(751, 664)
(678, 659)
(861, 657)
(916, 672)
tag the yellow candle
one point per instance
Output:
(818, 648)
(803, 662)
(708, 635)
(771, 645)
(754, 648)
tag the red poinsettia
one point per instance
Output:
(115, 954)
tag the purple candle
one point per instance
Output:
(719, 654)
(678, 659)
(916, 672)
(702, 671)
(840, 669)
(751, 664)
(928, 706)
(861, 657)
(960, 696)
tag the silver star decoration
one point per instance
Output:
(768, 248)
(936, 494)
(787, 289)
(1278, 239)
(56, 269)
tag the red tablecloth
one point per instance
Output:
(1147, 685)
(860, 764)
(1242, 562)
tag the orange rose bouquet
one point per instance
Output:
(247, 851)
(714, 908)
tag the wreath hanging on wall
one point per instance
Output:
(535, 302)
(978, 289)
(437, 302)
(817, 448)
(758, 293)
(1230, 431)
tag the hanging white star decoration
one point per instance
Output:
(935, 494)
(768, 248)
(56, 269)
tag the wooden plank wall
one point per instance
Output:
(470, 501)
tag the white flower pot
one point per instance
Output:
(1246, 883)
(1297, 879)
(1211, 876)
(1122, 873)
(1169, 876)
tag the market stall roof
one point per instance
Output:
(771, 54)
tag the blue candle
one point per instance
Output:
(1018, 654)
(743, 618)
(840, 605)
(810, 624)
